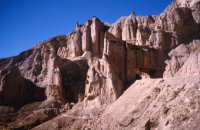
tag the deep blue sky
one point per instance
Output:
(23, 23)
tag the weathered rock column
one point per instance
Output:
(86, 37)
(77, 43)
(54, 88)
(130, 29)
(95, 35)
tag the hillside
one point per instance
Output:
(141, 73)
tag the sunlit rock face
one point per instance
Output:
(186, 3)
(109, 76)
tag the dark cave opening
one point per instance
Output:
(138, 77)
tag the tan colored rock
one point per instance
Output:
(115, 47)
(184, 60)
(55, 88)
(86, 38)
(74, 43)
(102, 84)
(131, 59)
(92, 66)
(186, 3)
(169, 103)
(116, 28)
(129, 29)
(195, 12)
(95, 33)
(17, 91)
(180, 16)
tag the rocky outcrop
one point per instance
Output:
(79, 75)
(46, 68)
(170, 103)
(184, 60)
(17, 91)
(132, 60)
(66, 79)
(87, 37)
(186, 3)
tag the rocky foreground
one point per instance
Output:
(139, 73)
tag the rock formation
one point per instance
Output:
(133, 74)
(17, 91)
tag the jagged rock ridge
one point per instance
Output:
(80, 74)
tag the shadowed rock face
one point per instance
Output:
(67, 79)
(79, 74)
(17, 91)
(129, 60)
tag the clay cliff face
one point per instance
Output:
(77, 78)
